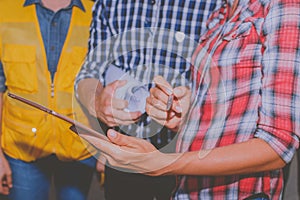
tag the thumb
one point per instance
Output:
(117, 138)
(163, 84)
(116, 84)
(180, 91)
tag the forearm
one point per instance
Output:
(252, 156)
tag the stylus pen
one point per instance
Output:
(170, 102)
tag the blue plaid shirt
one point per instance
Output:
(145, 39)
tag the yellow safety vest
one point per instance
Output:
(28, 133)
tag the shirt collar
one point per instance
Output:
(77, 3)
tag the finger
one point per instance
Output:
(155, 113)
(163, 85)
(9, 180)
(112, 121)
(159, 95)
(179, 94)
(116, 84)
(155, 103)
(160, 100)
(126, 116)
(106, 147)
(180, 91)
(4, 188)
(177, 105)
(122, 117)
(172, 123)
(123, 122)
(108, 92)
(109, 114)
(2, 185)
(116, 138)
(130, 144)
(120, 139)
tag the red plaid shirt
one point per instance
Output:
(246, 85)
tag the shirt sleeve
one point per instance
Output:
(98, 53)
(279, 115)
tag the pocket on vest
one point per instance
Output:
(19, 63)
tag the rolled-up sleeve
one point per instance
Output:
(98, 53)
(279, 115)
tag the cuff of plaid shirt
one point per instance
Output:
(282, 142)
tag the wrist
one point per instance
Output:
(87, 91)
(172, 164)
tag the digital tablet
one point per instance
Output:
(76, 126)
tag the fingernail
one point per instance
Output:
(113, 133)
(178, 91)
(178, 109)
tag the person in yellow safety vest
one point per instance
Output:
(42, 46)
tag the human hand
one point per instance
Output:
(132, 154)
(5, 175)
(110, 110)
(157, 103)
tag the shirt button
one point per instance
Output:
(153, 2)
(179, 36)
(52, 48)
(54, 24)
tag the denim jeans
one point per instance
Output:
(32, 180)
